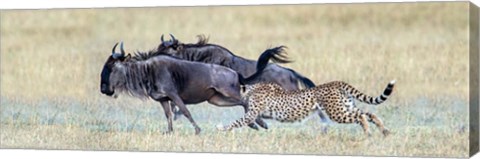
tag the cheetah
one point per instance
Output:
(269, 100)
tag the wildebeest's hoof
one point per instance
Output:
(325, 130)
(197, 131)
(167, 132)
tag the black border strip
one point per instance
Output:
(474, 79)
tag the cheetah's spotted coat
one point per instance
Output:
(269, 100)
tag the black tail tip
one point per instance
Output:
(389, 88)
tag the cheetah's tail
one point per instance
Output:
(371, 100)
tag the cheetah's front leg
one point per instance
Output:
(248, 118)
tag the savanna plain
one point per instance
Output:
(51, 62)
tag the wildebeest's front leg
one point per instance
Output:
(179, 102)
(169, 114)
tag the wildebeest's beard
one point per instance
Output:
(133, 78)
(105, 81)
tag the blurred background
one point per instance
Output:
(51, 62)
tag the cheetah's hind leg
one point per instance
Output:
(341, 113)
(375, 120)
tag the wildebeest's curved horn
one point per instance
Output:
(121, 49)
(114, 46)
(118, 55)
(161, 38)
(173, 38)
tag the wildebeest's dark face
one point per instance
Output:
(170, 47)
(105, 77)
(110, 76)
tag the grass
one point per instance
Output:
(432, 127)
(51, 62)
(300, 142)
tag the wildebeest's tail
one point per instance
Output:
(304, 80)
(274, 54)
(368, 99)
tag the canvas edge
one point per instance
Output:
(474, 79)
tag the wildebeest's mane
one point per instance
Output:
(202, 51)
(142, 56)
(203, 42)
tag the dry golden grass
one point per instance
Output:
(284, 141)
(51, 62)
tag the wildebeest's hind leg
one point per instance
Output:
(178, 101)
(220, 100)
(168, 113)
(323, 117)
(176, 113)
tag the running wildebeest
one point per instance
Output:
(165, 78)
(205, 52)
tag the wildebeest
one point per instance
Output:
(165, 78)
(202, 51)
